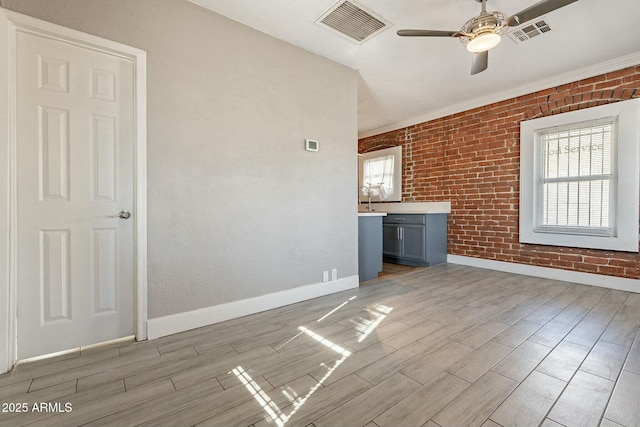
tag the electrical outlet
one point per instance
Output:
(334, 274)
(325, 276)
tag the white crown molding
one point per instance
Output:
(570, 77)
(618, 283)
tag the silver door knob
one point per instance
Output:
(124, 215)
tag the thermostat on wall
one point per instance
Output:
(311, 145)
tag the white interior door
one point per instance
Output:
(75, 174)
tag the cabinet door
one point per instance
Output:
(390, 240)
(413, 242)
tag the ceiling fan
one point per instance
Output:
(483, 32)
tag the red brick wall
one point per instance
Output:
(472, 159)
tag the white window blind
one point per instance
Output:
(577, 178)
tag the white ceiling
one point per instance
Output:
(409, 80)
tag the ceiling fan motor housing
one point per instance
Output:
(485, 23)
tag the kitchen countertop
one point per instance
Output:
(410, 207)
(367, 213)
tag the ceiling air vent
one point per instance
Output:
(530, 30)
(351, 20)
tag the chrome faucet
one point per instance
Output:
(366, 189)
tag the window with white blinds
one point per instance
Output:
(577, 175)
(579, 178)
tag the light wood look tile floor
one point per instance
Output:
(442, 346)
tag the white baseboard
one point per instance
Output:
(172, 324)
(619, 283)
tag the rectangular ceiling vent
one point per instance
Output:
(530, 30)
(353, 21)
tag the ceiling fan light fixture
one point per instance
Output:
(483, 32)
(483, 42)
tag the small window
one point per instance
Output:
(380, 175)
(579, 183)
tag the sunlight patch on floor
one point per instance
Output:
(364, 327)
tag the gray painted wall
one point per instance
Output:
(237, 208)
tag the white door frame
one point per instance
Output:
(10, 24)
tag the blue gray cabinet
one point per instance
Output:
(369, 247)
(415, 239)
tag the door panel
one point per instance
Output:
(54, 278)
(103, 158)
(75, 130)
(413, 242)
(54, 153)
(104, 281)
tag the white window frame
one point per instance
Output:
(625, 212)
(396, 152)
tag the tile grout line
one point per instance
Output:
(585, 358)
